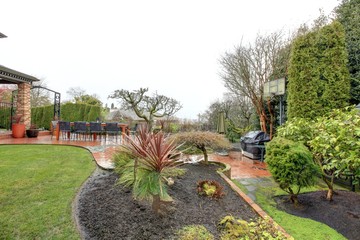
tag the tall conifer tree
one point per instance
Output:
(318, 76)
(348, 14)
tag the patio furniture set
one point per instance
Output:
(81, 130)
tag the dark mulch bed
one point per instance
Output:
(341, 214)
(107, 211)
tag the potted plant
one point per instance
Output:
(17, 128)
(33, 131)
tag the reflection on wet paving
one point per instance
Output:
(241, 166)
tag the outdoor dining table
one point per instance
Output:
(123, 126)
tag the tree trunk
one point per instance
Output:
(330, 185)
(150, 124)
(205, 155)
(156, 204)
(330, 194)
(294, 199)
(271, 118)
(263, 122)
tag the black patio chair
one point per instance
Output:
(65, 129)
(80, 129)
(112, 129)
(95, 130)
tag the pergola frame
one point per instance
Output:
(57, 98)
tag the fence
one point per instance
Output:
(5, 115)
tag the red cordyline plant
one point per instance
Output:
(154, 156)
(160, 153)
(138, 146)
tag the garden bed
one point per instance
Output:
(108, 211)
(341, 214)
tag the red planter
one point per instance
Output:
(18, 130)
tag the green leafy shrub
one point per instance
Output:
(263, 229)
(291, 165)
(210, 188)
(298, 130)
(232, 228)
(336, 147)
(194, 232)
(333, 140)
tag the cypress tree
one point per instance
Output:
(334, 74)
(348, 14)
(303, 78)
(318, 76)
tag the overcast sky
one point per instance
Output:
(172, 47)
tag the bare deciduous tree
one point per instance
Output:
(245, 70)
(75, 92)
(242, 111)
(5, 92)
(40, 96)
(147, 107)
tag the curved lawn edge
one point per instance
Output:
(252, 204)
(225, 173)
(75, 203)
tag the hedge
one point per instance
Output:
(5, 116)
(42, 116)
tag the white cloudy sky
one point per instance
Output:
(171, 46)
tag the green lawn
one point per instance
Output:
(299, 228)
(37, 186)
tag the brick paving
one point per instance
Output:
(241, 166)
(102, 151)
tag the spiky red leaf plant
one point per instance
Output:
(154, 155)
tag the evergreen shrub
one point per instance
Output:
(291, 165)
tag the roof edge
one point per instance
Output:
(8, 74)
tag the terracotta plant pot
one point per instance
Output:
(18, 130)
(32, 133)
